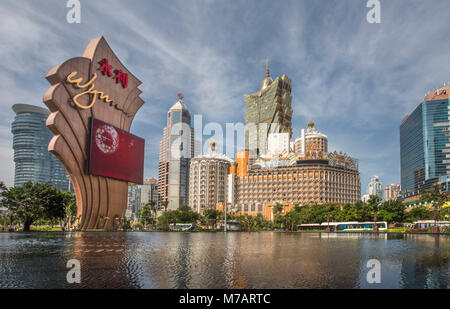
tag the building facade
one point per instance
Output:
(375, 187)
(425, 142)
(134, 200)
(208, 180)
(392, 192)
(33, 161)
(176, 151)
(305, 183)
(311, 144)
(149, 192)
(311, 176)
(139, 195)
(268, 111)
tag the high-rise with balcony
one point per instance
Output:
(425, 143)
(33, 161)
(175, 153)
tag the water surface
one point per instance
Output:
(218, 260)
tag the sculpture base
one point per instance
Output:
(435, 230)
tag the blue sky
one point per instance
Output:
(354, 79)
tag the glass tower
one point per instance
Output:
(32, 160)
(425, 143)
(268, 111)
(176, 151)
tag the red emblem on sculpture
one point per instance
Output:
(107, 139)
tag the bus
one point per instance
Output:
(343, 226)
(423, 224)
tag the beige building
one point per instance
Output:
(392, 191)
(208, 180)
(308, 177)
(309, 181)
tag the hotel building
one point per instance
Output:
(315, 177)
(208, 180)
(425, 143)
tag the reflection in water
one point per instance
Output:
(218, 260)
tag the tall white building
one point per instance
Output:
(375, 187)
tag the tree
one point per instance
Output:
(154, 210)
(70, 209)
(211, 216)
(33, 201)
(438, 197)
(392, 211)
(373, 203)
(165, 204)
(172, 216)
(145, 215)
(126, 224)
(163, 221)
(247, 222)
(419, 213)
(186, 215)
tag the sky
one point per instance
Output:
(356, 80)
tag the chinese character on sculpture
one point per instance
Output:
(93, 100)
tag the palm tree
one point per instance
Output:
(165, 204)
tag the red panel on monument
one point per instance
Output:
(116, 153)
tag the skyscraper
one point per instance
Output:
(425, 142)
(268, 111)
(32, 160)
(176, 150)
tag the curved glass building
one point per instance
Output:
(32, 160)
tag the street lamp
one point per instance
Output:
(225, 209)
(375, 227)
(328, 220)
